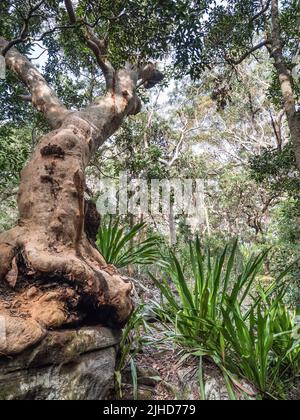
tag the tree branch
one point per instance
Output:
(43, 97)
(277, 125)
(247, 53)
(96, 45)
(24, 33)
(262, 12)
(52, 30)
(70, 11)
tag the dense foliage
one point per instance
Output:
(219, 117)
(228, 314)
(118, 246)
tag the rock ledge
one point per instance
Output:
(65, 365)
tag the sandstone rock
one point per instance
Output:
(19, 334)
(65, 365)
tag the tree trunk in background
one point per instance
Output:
(131, 244)
(172, 226)
(285, 80)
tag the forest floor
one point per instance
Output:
(164, 374)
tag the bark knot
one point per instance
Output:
(53, 150)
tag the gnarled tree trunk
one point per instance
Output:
(51, 274)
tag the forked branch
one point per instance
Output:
(24, 32)
(96, 45)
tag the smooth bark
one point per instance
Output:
(285, 80)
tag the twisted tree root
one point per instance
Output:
(43, 288)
